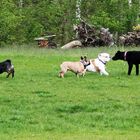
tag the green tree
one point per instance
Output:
(23, 20)
(9, 22)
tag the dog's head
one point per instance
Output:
(105, 57)
(118, 56)
(84, 61)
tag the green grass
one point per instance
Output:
(38, 105)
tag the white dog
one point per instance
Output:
(98, 64)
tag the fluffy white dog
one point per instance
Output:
(98, 64)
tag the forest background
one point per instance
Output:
(23, 20)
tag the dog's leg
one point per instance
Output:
(137, 69)
(8, 74)
(10, 70)
(130, 66)
(77, 74)
(106, 73)
(61, 74)
(103, 71)
(13, 73)
(83, 73)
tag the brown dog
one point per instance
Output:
(79, 68)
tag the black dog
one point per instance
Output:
(132, 57)
(6, 66)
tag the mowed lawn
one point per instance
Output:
(38, 105)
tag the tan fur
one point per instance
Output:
(96, 67)
(76, 67)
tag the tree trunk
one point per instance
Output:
(20, 3)
(78, 10)
(130, 3)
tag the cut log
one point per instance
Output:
(72, 44)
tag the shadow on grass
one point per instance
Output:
(43, 94)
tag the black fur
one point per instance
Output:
(132, 58)
(6, 66)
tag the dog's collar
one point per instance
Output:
(125, 53)
(102, 61)
(85, 65)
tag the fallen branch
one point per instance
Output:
(72, 44)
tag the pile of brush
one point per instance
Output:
(90, 36)
(131, 38)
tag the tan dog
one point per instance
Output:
(79, 68)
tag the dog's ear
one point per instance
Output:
(85, 58)
(99, 54)
(118, 51)
(81, 57)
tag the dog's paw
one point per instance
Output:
(106, 73)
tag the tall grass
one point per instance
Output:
(37, 104)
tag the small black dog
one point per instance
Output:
(6, 66)
(132, 57)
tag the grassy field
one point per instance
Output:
(38, 105)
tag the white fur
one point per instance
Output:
(98, 64)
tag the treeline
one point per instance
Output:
(23, 20)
